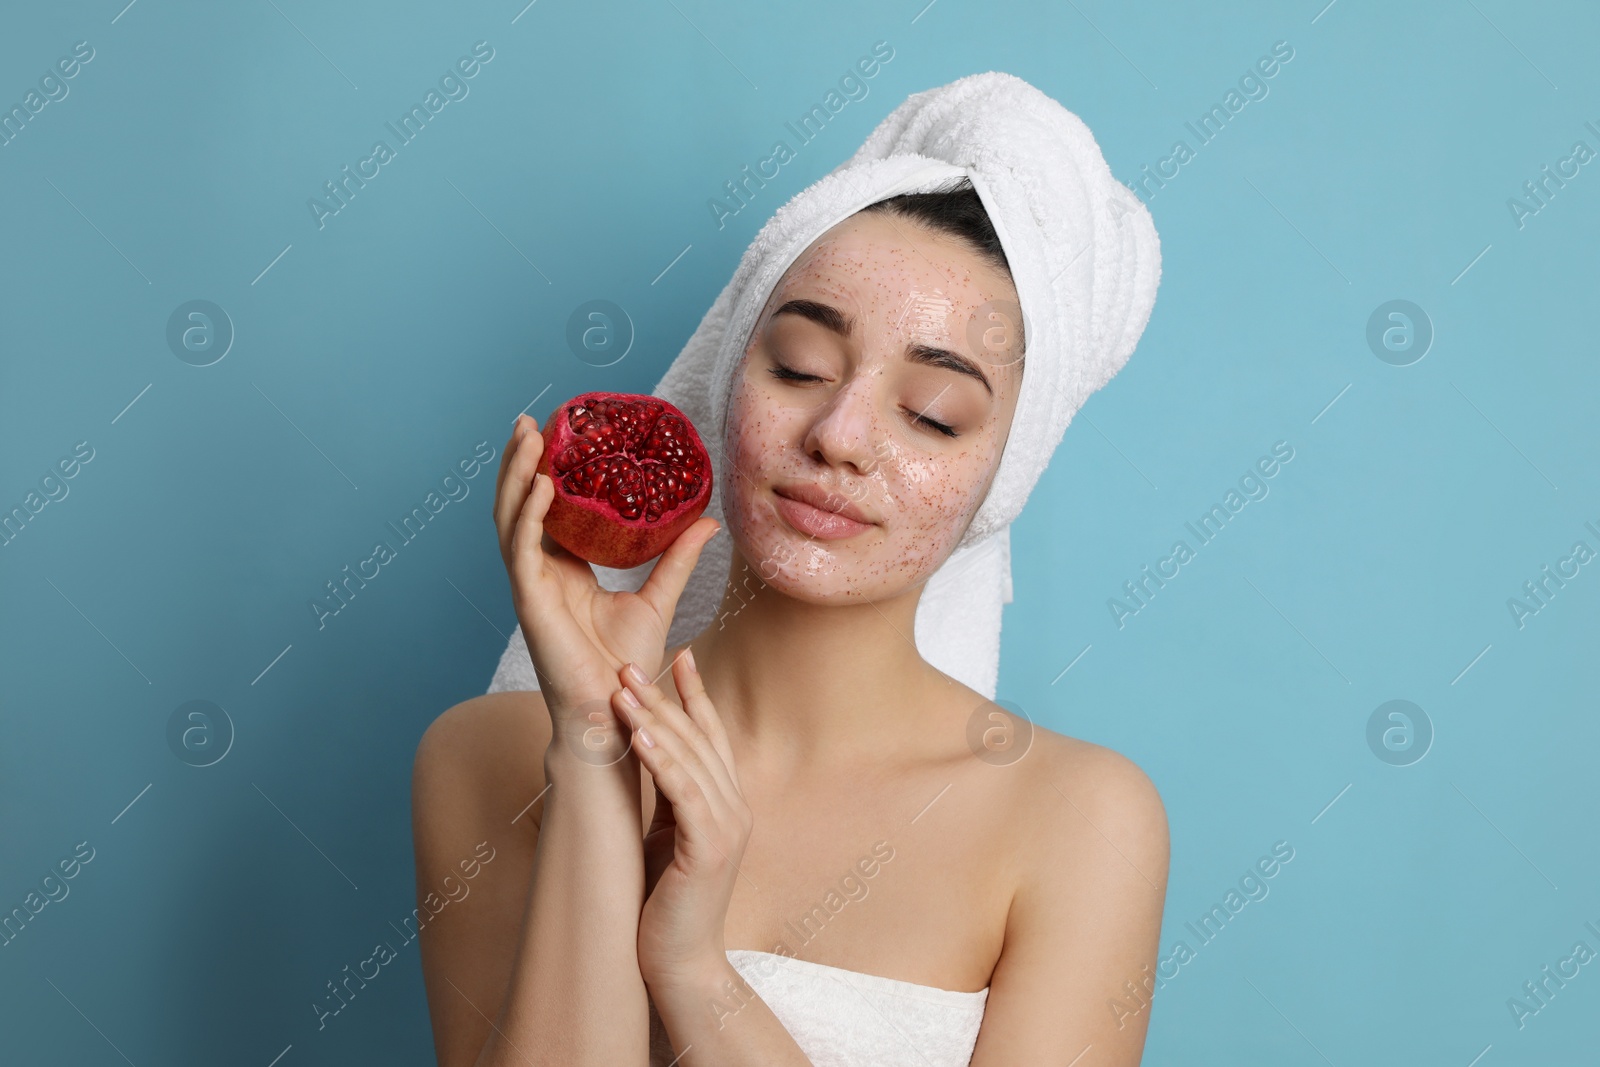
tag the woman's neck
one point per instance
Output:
(805, 684)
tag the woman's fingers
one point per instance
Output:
(505, 453)
(671, 572)
(679, 776)
(678, 745)
(520, 517)
(527, 537)
(701, 711)
(718, 761)
(516, 482)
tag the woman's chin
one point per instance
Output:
(828, 572)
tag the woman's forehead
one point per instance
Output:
(893, 274)
(876, 257)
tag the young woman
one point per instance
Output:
(791, 802)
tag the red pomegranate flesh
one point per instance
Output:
(630, 475)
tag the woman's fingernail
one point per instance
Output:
(644, 738)
(688, 658)
(636, 674)
(628, 699)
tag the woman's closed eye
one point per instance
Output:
(783, 373)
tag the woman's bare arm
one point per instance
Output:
(558, 973)
(462, 780)
(1085, 922)
(538, 964)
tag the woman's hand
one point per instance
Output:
(700, 829)
(579, 634)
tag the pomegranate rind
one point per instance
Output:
(590, 527)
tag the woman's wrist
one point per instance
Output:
(586, 728)
(710, 985)
(588, 757)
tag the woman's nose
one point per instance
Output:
(846, 428)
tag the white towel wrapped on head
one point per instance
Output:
(1086, 263)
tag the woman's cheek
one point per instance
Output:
(752, 447)
(940, 496)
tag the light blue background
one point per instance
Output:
(377, 351)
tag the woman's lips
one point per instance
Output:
(815, 522)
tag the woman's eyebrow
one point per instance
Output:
(943, 357)
(821, 314)
(835, 321)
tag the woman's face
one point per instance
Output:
(879, 331)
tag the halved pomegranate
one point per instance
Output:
(630, 475)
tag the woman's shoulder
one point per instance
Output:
(465, 723)
(482, 754)
(998, 736)
(480, 728)
(1064, 782)
(1094, 768)
(1084, 799)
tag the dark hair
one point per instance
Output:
(955, 210)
